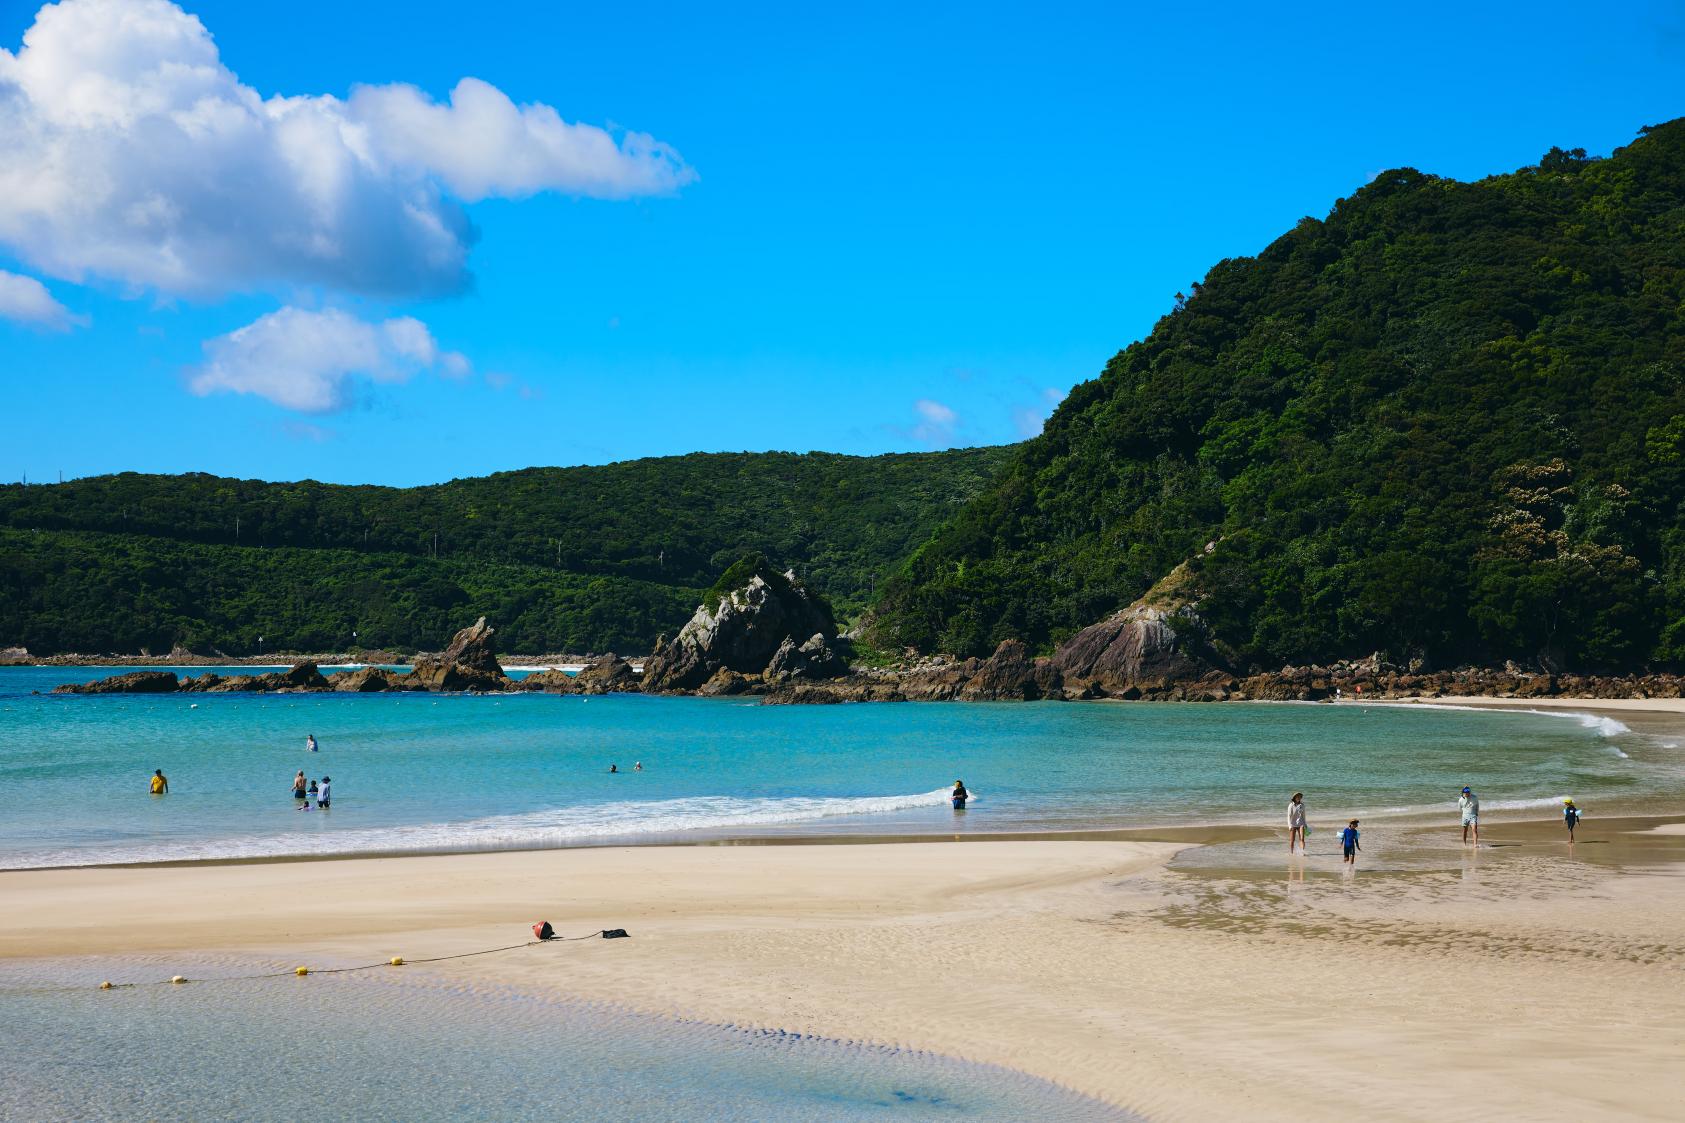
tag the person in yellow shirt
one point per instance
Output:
(160, 784)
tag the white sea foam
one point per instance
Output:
(1520, 804)
(1607, 726)
(533, 830)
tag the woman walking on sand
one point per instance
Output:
(1296, 822)
(1570, 817)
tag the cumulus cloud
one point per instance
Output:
(27, 301)
(936, 422)
(129, 152)
(310, 360)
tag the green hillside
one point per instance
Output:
(1446, 421)
(562, 559)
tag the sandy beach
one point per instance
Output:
(1520, 982)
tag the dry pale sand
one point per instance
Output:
(1521, 982)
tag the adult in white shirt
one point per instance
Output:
(1469, 804)
(1296, 822)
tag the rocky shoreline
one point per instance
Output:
(774, 640)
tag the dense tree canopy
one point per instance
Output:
(561, 559)
(1447, 421)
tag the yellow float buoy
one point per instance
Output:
(397, 961)
(178, 978)
(302, 971)
(105, 985)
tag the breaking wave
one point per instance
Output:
(533, 830)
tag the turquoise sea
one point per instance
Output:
(421, 773)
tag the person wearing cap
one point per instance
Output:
(1296, 822)
(1469, 804)
(1570, 816)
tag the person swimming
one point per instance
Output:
(959, 795)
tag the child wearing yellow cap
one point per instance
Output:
(1570, 816)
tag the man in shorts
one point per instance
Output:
(1469, 804)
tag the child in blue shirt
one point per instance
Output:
(1348, 840)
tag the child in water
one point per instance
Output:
(310, 796)
(1349, 843)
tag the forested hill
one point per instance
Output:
(1447, 421)
(586, 558)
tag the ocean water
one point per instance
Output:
(368, 1047)
(424, 773)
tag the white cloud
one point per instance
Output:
(936, 422)
(27, 301)
(309, 361)
(1029, 420)
(129, 152)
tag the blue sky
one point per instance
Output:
(861, 229)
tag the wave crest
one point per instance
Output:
(532, 830)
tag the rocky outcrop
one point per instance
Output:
(1141, 649)
(549, 681)
(609, 674)
(135, 682)
(369, 680)
(604, 674)
(299, 677)
(1010, 674)
(813, 658)
(468, 662)
(769, 624)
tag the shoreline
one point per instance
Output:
(1103, 966)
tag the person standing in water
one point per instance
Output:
(160, 782)
(309, 742)
(1570, 817)
(1349, 843)
(1296, 822)
(322, 795)
(1469, 804)
(960, 795)
(299, 784)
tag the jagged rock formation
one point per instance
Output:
(771, 625)
(468, 662)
